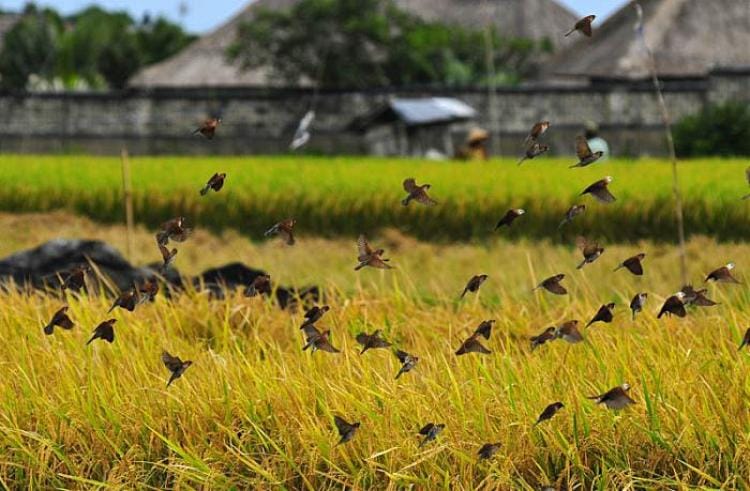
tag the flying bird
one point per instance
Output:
(367, 256)
(485, 329)
(430, 431)
(536, 131)
(167, 257)
(371, 341)
(547, 335)
(533, 150)
(215, 183)
(488, 450)
(474, 283)
(261, 285)
(346, 430)
(104, 331)
(173, 229)
(673, 305)
(509, 217)
(572, 212)
(59, 319)
(600, 191)
(75, 280)
(722, 275)
(417, 193)
(583, 26)
(616, 398)
(318, 340)
(604, 314)
(128, 300)
(585, 156)
(472, 345)
(302, 133)
(549, 412)
(408, 362)
(590, 250)
(745, 340)
(285, 229)
(208, 128)
(636, 305)
(314, 314)
(174, 365)
(552, 285)
(633, 264)
(568, 331)
(696, 297)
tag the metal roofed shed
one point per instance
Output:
(415, 127)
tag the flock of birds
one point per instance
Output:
(617, 398)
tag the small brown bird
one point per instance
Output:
(261, 285)
(585, 156)
(696, 297)
(430, 431)
(639, 300)
(674, 305)
(600, 191)
(604, 314)
(549, 412)
(314, 314)
(533, 150)
(583, 26)
(173, 229)
(75, 279)
(552, 285)
(167, 257)
(616, 398)
(472, 345)
(509, 217)
(285, 229)
(590, 250)
(474, 283)
(568, 331)
(215, 183)
(572, 212)
(417, 193)
(346, 430)
(547, 335)
(488, 450)
(722, 275)
(127, 300)
(633, 264)
(370, 257)
(104, 331)
(745, 340)
(208, 128)
(371, 341)
(536, 131)
(174, 365)
(485, 329)
(59, 319)
(408, 362)
(318, 340)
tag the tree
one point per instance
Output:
(718, 130)
(364, 43)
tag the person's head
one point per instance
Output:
(591, 130)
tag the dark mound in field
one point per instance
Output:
(44, 266)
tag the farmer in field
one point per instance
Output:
(596, 142)
(475, 146)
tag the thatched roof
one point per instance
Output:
(204, 62)
(688, 38)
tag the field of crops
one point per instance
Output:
(343, 196)
(255, 412)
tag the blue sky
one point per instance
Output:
(203, 15)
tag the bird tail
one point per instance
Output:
(171, 379)
(400, 372)
(742, 345)
(523, 159)
(570, 32)
(112, 308)
(89, 341)
(583, 263)
(464, 293)
(618, 268)
(661, 314)
(562, 224)
(633, 315)
(574, 166)
(204, 190)
(406, 201)
(363, 350)
(270, 231)
(49, 329)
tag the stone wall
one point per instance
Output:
(263, 120)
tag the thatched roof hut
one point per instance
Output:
(688, 38)
(204, 62)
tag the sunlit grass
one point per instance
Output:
(254, 411)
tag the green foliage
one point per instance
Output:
(363, 43)
(722, 130)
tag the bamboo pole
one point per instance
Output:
(667, 122)
(489, 59)
(127, 197)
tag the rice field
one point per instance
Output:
(256, 412)
(343, 196)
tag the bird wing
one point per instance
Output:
(410, 185)
(323, 344)
(600, 192)
(312, 312)
(310, 332)
(363, 338)
(555, 287)
(586, 28)
(401, 355)
(426, 429)
(582, 147)
(365, 251)
(165, 254)
(634, 265)
(422, 197)
(173, 363)
(484, 329)
(341, 425)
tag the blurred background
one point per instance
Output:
(424, 78)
